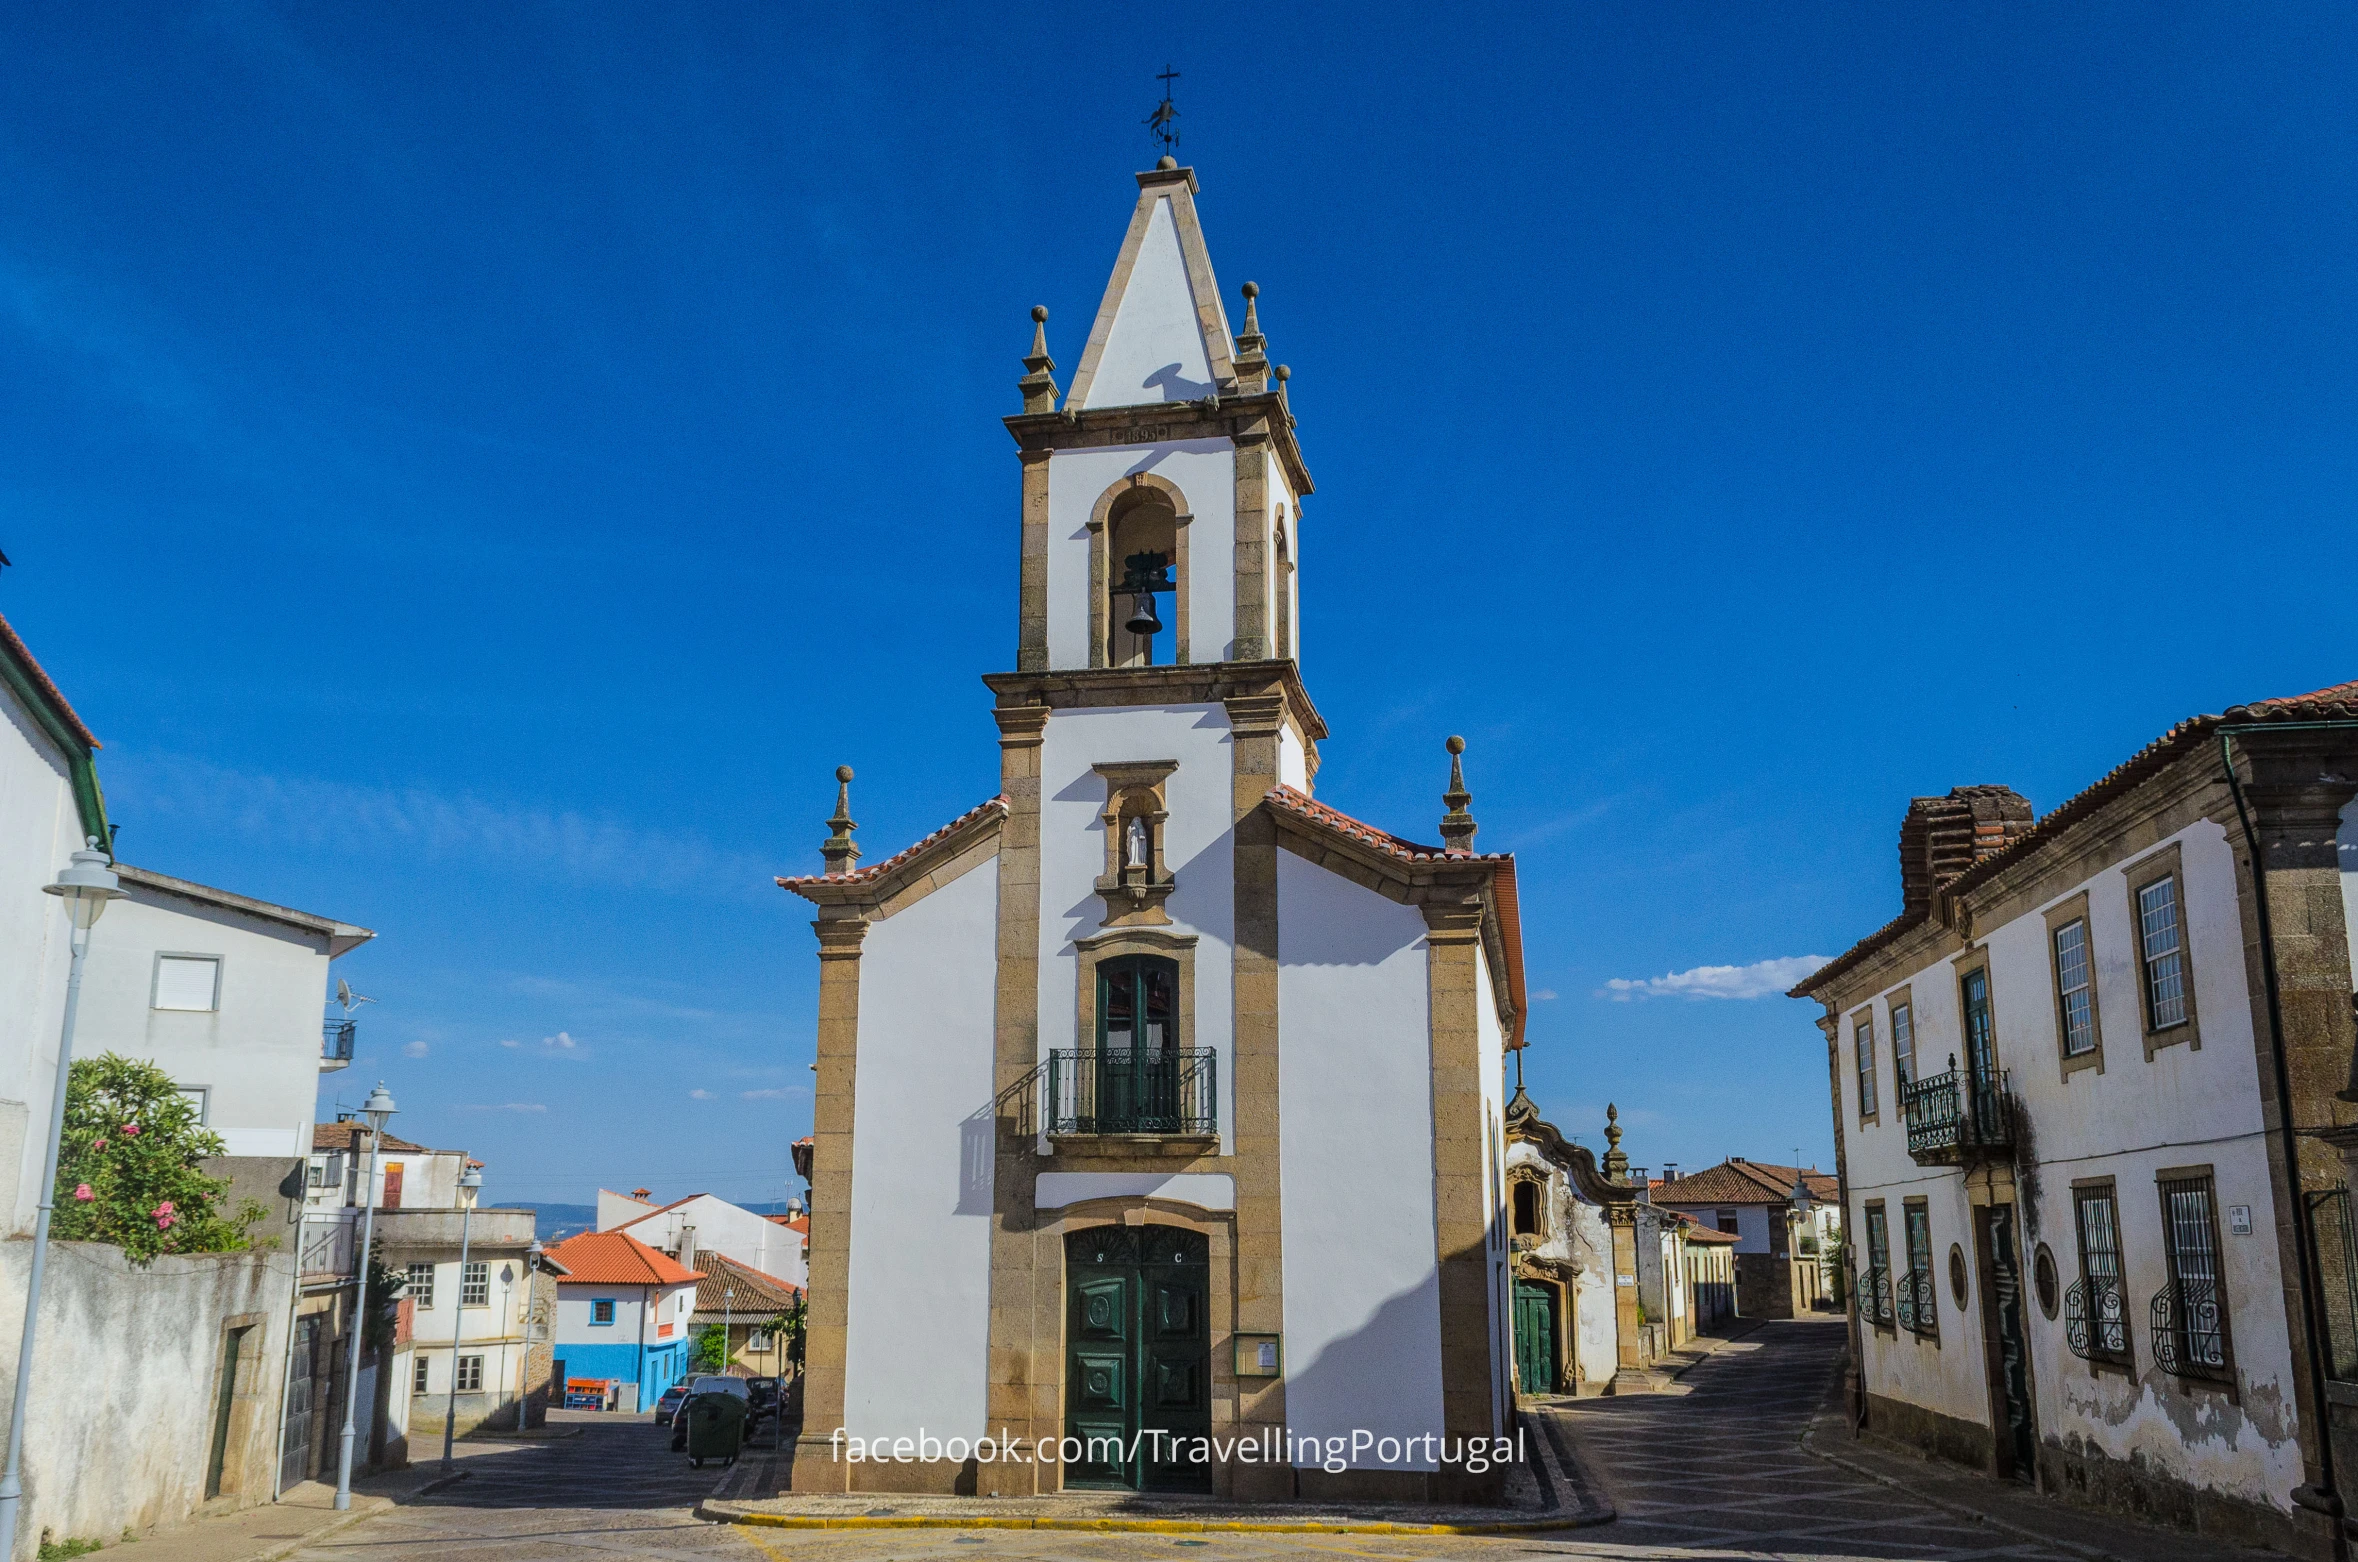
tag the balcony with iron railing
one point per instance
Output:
(1875, 1296)
(2096, 1320)
(335, 1044)
(2190, 1331)
(1170, 1096)
(1916, 1303)
(1958, 1116)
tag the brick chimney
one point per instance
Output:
(1941, 837)
(687, 1252)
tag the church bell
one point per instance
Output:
(1142, 620)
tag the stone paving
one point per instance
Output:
(1716, 1472)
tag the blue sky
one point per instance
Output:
(480, 470)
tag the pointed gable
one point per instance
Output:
(1161, 333)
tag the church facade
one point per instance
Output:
(1159, 1134)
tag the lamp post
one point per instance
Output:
(507, 1286)
(86, 885)
(376, 1109)
(470, 1183)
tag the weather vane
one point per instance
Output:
(1163, 123)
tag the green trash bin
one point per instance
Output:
(716, 1427)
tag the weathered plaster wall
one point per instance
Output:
(1362, 1288)
(922, 1150)
(1197, 848)
(2126, 1120)
(1204, 470)
(119, 1431)
(1576, 1252)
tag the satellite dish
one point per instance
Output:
(347, 997)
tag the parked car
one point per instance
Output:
(705, 1383)
(669, 1405)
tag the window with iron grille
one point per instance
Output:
(1875, 1288)
(1903, 1043)
(475, 1285)
(470, 1374)
(2096, 1311)
(2075, 989)
(2161, 948)
(420, 1289)
(1918, 1302)
(1863, 1040)
(2189, 1315)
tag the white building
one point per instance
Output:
(701, 1223)
(225, 993)
(1785, 1240)
(2069, 1192)
(1151, 1033)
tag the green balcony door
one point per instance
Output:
(1137, 1083)
(1138, 1355)
(1535, 1337)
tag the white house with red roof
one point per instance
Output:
(623, 1314)
(705, 1223)
(1157, 1098)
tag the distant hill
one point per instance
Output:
(559, 1221)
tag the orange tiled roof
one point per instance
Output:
(614, 1258)
(2335, 702)
(755, 1291)
(995, 805)
(339, 1136)
(1744, 1182)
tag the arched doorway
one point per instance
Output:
(1138, 1361)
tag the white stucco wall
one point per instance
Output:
(257, 1055)
(2184, 1107)
(922, 1152)
(39, 831)
(1493, 1051)
(1204, 471)
(1155, 351)
(2346, 847)
(1362, 1289)
(725, 1228)
(1752, 1220)
(1198, 848)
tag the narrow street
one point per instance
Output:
(1718, 1472)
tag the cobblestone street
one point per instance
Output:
(1717, 1472)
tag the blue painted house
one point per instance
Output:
(622, 1312)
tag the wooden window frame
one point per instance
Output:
(1875, 1223)
(2059, 917)
(2124, 1361)
(1910, 1208)
(2140, 876)
(459, 1368)
(1862, 1048)
(1902, 1001)
(417, 1375)
(598, 1303)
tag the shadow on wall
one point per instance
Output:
(1381, 1377)
(978, 1148)
(1176, 386)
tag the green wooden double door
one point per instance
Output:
(1535, 1337)
(1138, 1357)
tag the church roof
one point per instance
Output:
(1302, 806)
(990, 808)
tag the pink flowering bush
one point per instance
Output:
(132, 1155)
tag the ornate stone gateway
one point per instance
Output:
(1138, 1368)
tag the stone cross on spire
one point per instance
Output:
(838, 848)
(1457, 826)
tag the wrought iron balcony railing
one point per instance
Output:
(1917, 1302)
(2096, 1319)
(1952, 1114)
(2189, 1330)
(1875, 1296)
(1133, 1092)
(335, 1040)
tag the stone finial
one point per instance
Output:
(1252, 358)
(1616, 1163)
(838, 848)
(1457, 826)
(1039, 381)
(1166, 162)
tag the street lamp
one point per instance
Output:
(86, 885)
(376, 1109)
(470, 1183)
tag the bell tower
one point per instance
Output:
(1162, 490)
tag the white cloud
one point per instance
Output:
(560, 1042)
(1761, 979)
(789, 1093)
(1543, 995)
(508, 1106)
(511, 1042)
(700, 1095)
(415, 1049)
